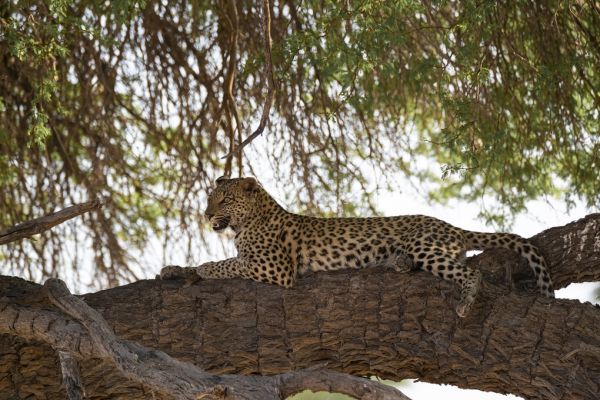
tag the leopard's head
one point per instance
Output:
(232, 202)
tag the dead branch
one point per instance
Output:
(42, 224)
(153, 369)
(270, 82)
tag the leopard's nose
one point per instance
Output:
(209, 215)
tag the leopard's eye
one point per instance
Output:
(227, 200)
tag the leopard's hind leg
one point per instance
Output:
(452, 267)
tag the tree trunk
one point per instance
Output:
(368, 322)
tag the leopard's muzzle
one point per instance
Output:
(220, 224)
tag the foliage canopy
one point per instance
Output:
(135, 101)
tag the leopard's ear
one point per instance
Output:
(221, 179)
(250, 184)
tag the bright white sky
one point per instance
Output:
(428, 391)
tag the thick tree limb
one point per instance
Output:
(572, 252)
(369, 322)
(155, 369)
(39, 225)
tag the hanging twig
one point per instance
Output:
(228, 127)
(270, 82)
(42, 224)
(229, 100)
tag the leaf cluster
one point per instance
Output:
(127, 101)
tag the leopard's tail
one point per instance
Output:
(483, 240)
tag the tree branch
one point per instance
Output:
(571, 251)
(155, 369)
(270, 82)
(363, 323)
(233, 22)
(39, 225)
(330, 381)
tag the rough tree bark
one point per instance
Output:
(370, 322)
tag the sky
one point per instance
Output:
(428, 391)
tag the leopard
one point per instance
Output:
(277, 246)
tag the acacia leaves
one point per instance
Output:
(136, 102)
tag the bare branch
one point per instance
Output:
(572, 252)
(42, 224)
(47, 326)
(270, 82)
(331, 381)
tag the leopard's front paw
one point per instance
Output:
(176, 272)
(463, 308)
(204, 270)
